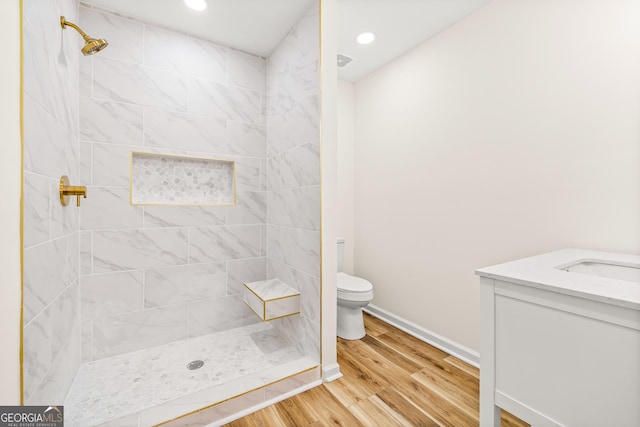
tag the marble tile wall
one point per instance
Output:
(293, 176)
(52, 345)
(156, 274)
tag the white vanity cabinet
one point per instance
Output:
(560, 348)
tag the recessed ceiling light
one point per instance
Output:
(365, 38)
(196, 4)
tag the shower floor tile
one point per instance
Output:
(131, 383)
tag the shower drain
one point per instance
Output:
(196, 364)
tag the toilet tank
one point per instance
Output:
(340, 253)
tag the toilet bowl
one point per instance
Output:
(353, 294)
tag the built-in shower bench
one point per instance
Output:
(271, 299)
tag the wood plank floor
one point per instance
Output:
(390, 379)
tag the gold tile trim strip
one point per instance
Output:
(21, 203)
(235, 183)
(236, 396)
(320, 165)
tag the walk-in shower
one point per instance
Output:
(126, 293)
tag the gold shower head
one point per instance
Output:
(91, 45)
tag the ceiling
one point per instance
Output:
(254, 26)
(257, 26)
(399, 25)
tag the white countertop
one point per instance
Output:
(541, 272)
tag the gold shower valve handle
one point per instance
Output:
(67, 191)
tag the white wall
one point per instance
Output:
(10, 176)
(514, 132)
(328, 155)
(345, 165)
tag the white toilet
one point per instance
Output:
(353, 294)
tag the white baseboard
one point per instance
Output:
(438, 341)
(264, 404)
(331, 372)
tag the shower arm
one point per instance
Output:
(64, 23)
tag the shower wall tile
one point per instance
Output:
(86, 336)
(248, 174)
(247, 140)
(298, 167)
(37, 350)
(174, 285)
(65, 61)
(124, 35)
(292, 83)
(251, 208)
(109, 208)
(51, 267)
(244, 271)
(264, 105)
(111, 293)
(181, 216)
(220, 314)
(132, 83)
(185, 55)
(128, 332)
(290, 328)
(40, 15)
(135, 249)
(55, 385)
(38, 71)
(64, 219)
(311, 341)
(64, 317)
(86, 77)
(306, 284)
(49, 149)
(85, 159)
(264, 185)
(295, 247)
(114, 122)
(293, 176)
(50, 70)
(111, 165)
(223, 243)
(296, 207)
(48, 269)
(246, 71)
(263, 240)
(36, 64)
(294, 66)
(169, 129)
(223, 101)
(86, 252)
(298, 126)
(37, 211)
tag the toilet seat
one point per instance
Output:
(351, 288)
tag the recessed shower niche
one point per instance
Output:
(164, 179)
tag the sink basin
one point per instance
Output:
(630, 273)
